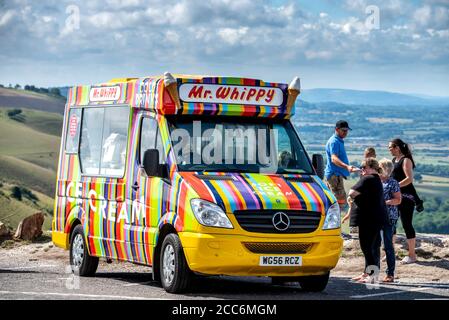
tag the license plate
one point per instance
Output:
(280, 261)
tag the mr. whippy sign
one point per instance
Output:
(231, 94)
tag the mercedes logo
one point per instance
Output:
(281, 221)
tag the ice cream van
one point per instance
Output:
(193, 176)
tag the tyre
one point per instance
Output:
(174, 272)
(314, 283)
(81, 262)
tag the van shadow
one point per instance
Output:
(260, 288)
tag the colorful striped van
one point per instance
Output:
(193, 175)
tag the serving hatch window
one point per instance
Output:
(104, 139)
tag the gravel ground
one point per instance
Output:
(41, 271)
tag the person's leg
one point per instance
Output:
(389, 248)
(376, 244)
(364, 244)
(406, 209)
(336, 185)
(369, 243)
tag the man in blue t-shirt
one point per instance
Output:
(337, 167)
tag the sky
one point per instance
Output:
(398, 45)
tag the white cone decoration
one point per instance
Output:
(171, 85)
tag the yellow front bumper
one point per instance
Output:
(218, 254)
(60, 239)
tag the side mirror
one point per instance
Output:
(151, 163)
(318, 164)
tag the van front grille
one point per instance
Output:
(262, 221)
(278, 247)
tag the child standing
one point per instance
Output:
(392, 196)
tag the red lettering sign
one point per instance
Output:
(73, 125)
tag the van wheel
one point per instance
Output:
(314, 283)
(175, 273)
(81, 262)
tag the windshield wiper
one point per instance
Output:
(236, 170)
(283, 171)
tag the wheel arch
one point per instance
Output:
(164, 230)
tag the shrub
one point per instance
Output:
(16, 193)
(14, 112)
(28, 194)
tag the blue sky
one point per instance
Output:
(328, 43)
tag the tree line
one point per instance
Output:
(50, 91)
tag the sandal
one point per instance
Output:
(360, 277)
(388, 279)
(407, 260)
(369, 279)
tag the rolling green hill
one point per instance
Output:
(35, 140)
(12, 210)
(29, 150)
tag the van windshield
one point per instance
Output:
(228, 144)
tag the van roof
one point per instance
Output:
(190, 94)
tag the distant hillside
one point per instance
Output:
(64, 91)
(12, 98)
(374, 98)
(29, 149)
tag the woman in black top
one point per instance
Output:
(403, 173)
(370, 215)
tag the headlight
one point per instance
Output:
(209, 214)
(332, 220)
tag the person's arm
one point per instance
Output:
(357, 189)
(346, 217)
(348, 214)
(407, 166)
(352, 194)
(397, 198)
(338, 162)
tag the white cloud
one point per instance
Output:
(223, 32)
(312, 55)
(231, 35)
(422, 15)
(6, 18)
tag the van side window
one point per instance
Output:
(91, 136)
(160, 147)
(147, 136)
(73, 131)
(103, 141)
(115, 136)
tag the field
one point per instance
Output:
(11, 98)
(36, 140)
(13, 211)
(29, 148)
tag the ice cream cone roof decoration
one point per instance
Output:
(295, 84)
(294, 89)
(169, 79)
(171, 85)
